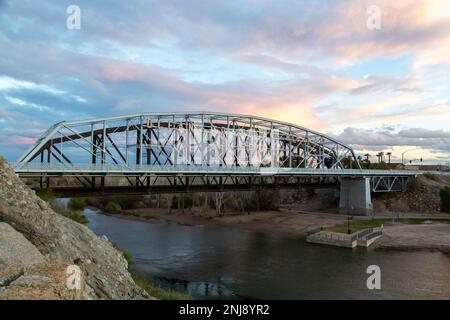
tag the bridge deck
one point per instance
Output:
(112, 169)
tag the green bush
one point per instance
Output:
(129, 257)
(445, 200)
(74, 215)
(77, 203)
(46, 194)
(158, 292)
(113, 207)
(129, 201)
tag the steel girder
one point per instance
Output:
(195, 138)
(389, 183)
(94, 184)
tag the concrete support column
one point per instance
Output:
(355, 198)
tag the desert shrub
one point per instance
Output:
(77, 203)
(413, 185)
(130, 201)
(74, 215)
(262, 200)
(430, 176)
(156, 291)
(46, 194)
(269, 200)
(177, 201)
(235, 201)
(129, 257)
(113, 207)
(445, 200)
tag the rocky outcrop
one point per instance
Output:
(53, 242)
(422, 196)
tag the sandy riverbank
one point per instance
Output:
(291, 224)
(296, 224)
(434, 237)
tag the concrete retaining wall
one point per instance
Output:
(363, 238)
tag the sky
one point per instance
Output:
(376, 79)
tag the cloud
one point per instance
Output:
(9, 83)
(23, 103)
(299, 61)
(18, 140)
(375, 84)
(381, 139)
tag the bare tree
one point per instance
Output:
(219, 203)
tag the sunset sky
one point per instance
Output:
(312, 63)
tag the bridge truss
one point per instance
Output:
(162, 152)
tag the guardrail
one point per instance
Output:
(374, 234)
(201, 169)
(365, 232)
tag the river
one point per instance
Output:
(224, 263)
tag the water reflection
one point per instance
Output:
(219, 263)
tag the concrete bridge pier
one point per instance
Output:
(355, 198)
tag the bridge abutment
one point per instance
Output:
(355, 197)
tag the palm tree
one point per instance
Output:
(389, 154)
(379, 155)
(367, 157)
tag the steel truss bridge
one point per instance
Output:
(188, 152)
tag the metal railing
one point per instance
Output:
(363, 233)
(374, 235)
(201, 169)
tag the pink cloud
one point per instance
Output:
(18, 140)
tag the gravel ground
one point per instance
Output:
(416, 237)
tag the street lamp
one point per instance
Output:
(403, 154)
(348, 224)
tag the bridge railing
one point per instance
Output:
(192, 169)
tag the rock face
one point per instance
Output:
(16, 250)
(37, 245)
(423, 196)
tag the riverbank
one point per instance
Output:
(293, 224)
(411, 232)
